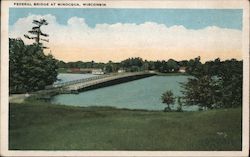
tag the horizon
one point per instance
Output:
(118, 34)
(154, 60)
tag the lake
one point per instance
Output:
(139, 94)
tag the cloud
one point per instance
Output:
(150, 40)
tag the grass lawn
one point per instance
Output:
(43, 126)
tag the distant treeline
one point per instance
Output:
(136, 64)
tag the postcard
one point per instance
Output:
(125, 78)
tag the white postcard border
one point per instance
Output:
(202, 4)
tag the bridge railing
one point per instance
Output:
(59, 85)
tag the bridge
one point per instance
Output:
(93, 82)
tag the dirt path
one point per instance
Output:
(17, 98)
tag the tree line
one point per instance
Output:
(136, 64)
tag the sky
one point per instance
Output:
(116, 34)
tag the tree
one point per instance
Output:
(172, 65)
(215, 84)
(201, 91)
(179, 108)
(145, 65)
(30, 69)
(168, 98)
(109, 67)
(231, 76)
(132, 64)
(194, 66)
(183, 63)
(36, 30)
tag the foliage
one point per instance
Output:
(137, 64)
(215, 84)
(179, 108)
(36, 31)
(172, 65)
(168, 98)
(231, 78)
(132, 64)
(194, 66)
(80, 64)
(111, 67)
(201, 91)
(30, 68)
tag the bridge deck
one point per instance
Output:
(101, 79)
(76, 85)
(89, 83)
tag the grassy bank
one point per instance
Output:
(42, 126)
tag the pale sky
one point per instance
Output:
(117, 34)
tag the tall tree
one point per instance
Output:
(30, 68)
(36, 30)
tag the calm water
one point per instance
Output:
(65, 77)
(139, 94)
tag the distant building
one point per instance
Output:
(86, 70)
(75, 70)
(151, 71)
(121, 71)
(182, 69)
(97, 72)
